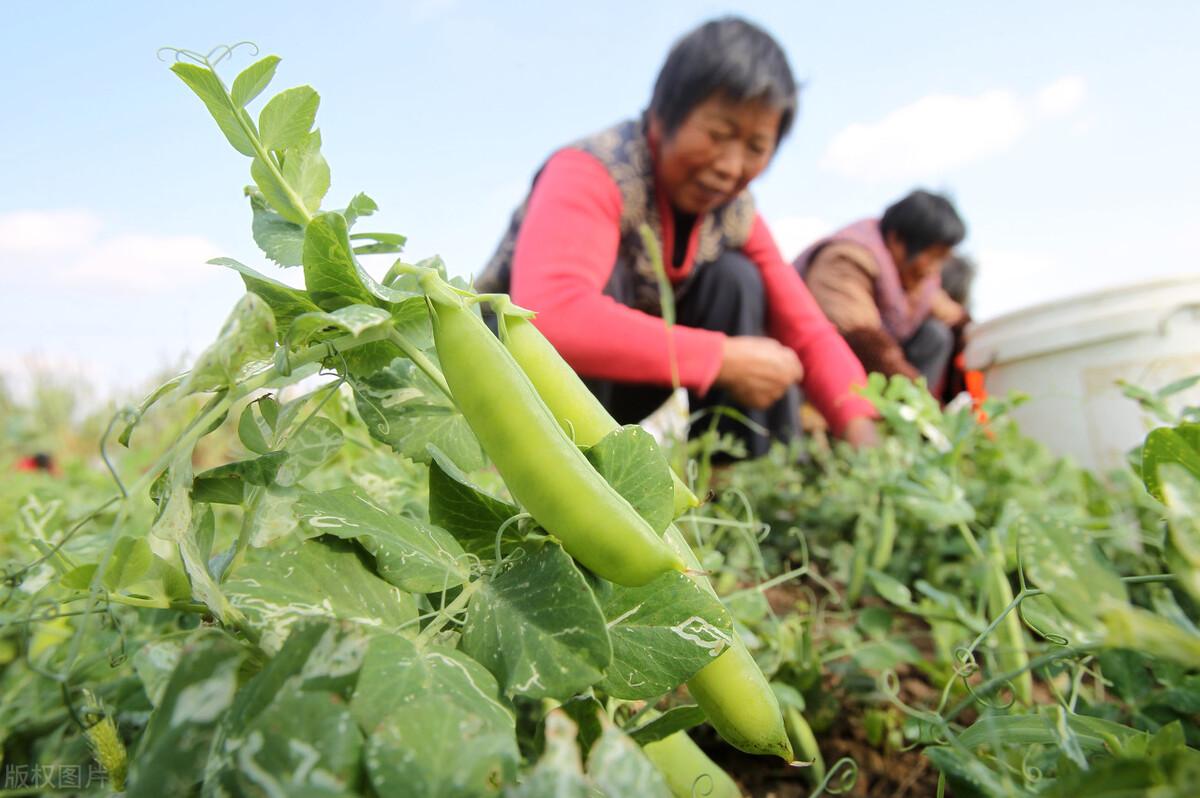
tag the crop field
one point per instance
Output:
(366, 547)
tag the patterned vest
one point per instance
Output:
(625, 152)
(901, 311)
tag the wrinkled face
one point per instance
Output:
(915, 268)
(720, 147)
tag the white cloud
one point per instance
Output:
(72, 247)
(32, 232)
(1062, 97)
(936, 133)
(793, 234)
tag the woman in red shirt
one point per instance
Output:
(747, 331)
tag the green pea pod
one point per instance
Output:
(731, 689)
(688, 770)
(1011, 654)
(887, 536)
(575, 407)
(545, 472)
(805, 742)
(862, 553)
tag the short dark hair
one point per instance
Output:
(923, 220)
(958, 273)
(728, 56)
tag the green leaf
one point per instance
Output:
(252, 433)
(1179, 445)
(675, 719)
(274, 516)
(253, 80)
(317, 441)
(286, 303)
(130, 561)
(280, 240)
(227, 484)
(383, 243)
(154, 663)
(360, 205)
(465, 510)
(208, 88)
(178, 523)
(890, 588)
(662, 633)
(171, 753)
(319, 325)
(630, 460)
(537, 627)
(331, 274)
(303, 739)
(586, 712)
(1062, 561)
(438, 749)
(306, 171)
(559, 773)
(404, 409)
(619, 768)
(246, 343)
(408, 553)
(286, 120)
(396, 673)
(1181, 494)
(1141, 630)
(318, 658)
(1092, 733)
(277, 193)
(317, 579)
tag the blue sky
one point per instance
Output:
(1066, 132)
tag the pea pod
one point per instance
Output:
(544, 470)
(805, 742)
(688, 770)
(1011, 654)
(731, 689)
(576, 408)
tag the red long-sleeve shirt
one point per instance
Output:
(565, 254)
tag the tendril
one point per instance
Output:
(709, 785)
(845, 771)
(210, 59)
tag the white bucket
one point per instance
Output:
(1068, 355)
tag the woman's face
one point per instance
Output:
(720, 147)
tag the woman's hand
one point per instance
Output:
(861, 433)
(757, 371)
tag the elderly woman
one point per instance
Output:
(747, 330)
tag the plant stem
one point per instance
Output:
(447, 614)
(413, 353)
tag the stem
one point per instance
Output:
(418, 357)
(996, 682)
(972, 544)
(448, 612)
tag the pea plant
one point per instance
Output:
(1026, 626)
(439, 569)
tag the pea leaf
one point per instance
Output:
(286, 303)
(404, 409)
(280, 240)
(319, 325)
(537, 627)
(559, 772)
(286, 120)
(674, 720)
(207, 87)
(633, 464)
(360, 205)
(317, 441)
(306, 171)
(408, 553)
(662, 633)
(1180, 445)
(253, 80)
(227, 484)
(463, 509)
(276, 588)
(246, 342)
(331, 274)
(395, 673)
(1062, 561)
(251, 432)
(438, 749)
(171, 753)
(617, 767)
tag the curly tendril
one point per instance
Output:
(704, 785)
(840, 779)
(210, 59)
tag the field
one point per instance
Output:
(365, 547)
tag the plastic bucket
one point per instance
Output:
(1068, 355)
